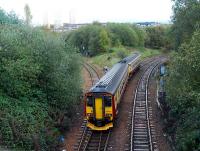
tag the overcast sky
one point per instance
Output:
(86, 11)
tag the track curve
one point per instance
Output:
(141, 128)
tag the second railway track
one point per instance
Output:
(94, 76)
(142, 129)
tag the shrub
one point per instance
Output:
(158, 37)
(124, 34)
(121, 54)
(39, 86)
(183, 94)
(95, 39)
(90, 40)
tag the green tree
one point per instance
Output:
(183, 87)
(39, 85)
(9, 18)
(158, 37)
(141, 35)
(96, 38)
(124, 34)
(186, 20)
(104, 40)
(90, 40)
(155, 37)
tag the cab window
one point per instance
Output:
(108, 101)
(90, 101)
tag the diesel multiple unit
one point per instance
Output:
(101, 102)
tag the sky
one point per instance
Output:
(87, 11)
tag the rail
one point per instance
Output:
(141, 135)
(93, 140)
(94, 76)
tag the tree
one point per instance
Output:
(141, 35)
(183, 87)
(186, 20)
(104, 40)
(96, 38)
(39, 85)
(9, 18)
(124, 34)
(91, 39)
(28, 16)
(158, 37)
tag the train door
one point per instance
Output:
(98, 108)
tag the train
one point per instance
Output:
(102, 100)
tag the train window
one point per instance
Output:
(108, 101)
(90, 101)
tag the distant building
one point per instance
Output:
(69, 27)
(145, 24)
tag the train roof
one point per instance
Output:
(111, 80)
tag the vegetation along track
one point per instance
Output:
(94, 76)
(142, 129)
(92, 140)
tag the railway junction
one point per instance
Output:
(137, 127)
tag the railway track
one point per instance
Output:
(94, 76)
(92, 140)
(142, 128)
(89, 140)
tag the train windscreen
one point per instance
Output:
(90, 101)
(108, 101)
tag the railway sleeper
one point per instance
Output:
(141, 142)
(141, 146)
(139, 149)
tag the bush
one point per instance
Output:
(95, 39)
(121, 54)
(141, 35)
(9, 18)
(123, 34)
(183, 94)
(39, 86)
(90, 40)
(158, 37)
(186, 20)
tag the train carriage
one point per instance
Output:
(101, 102)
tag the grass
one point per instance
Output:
(116, 54)
(146, 52)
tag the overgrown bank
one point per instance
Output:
(183, 84)
(116, 54)
(39, 85)
(183, 96)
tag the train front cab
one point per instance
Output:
(99, 110)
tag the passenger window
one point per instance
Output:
(90, 101)
(108, 101)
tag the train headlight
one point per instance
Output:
(89, 114)
(108, 115)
